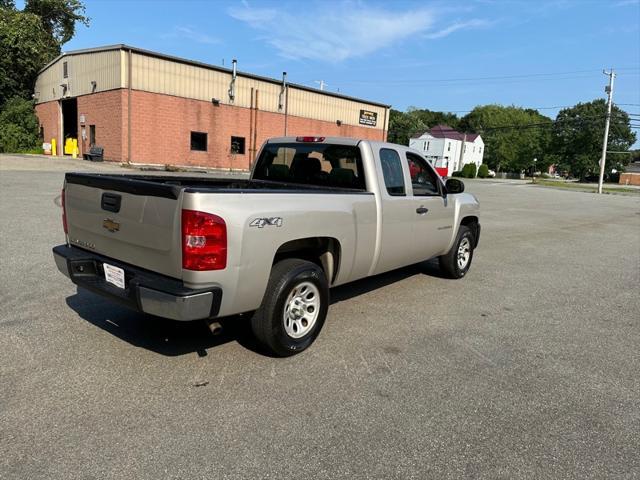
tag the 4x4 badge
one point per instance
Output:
(111, 225)
(263, 222)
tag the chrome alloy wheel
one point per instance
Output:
(301, 309)
(464, 253)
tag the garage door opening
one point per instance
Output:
(69, 124)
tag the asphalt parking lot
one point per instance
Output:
(527, 368)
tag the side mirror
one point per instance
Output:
(453, 185)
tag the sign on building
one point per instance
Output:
(368, 118)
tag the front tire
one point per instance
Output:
(456, 263)
(293, 309)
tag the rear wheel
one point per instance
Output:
(293, 309)
(456, 263)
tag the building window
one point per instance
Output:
(199, 141)
(41, 135)
(65, 70)
(92, 135)
(449, 147)
(237, 145)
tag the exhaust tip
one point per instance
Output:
(215, 328)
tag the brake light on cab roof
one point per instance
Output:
(310, 139)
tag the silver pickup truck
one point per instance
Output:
(316, 213)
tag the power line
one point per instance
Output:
(554, 107)
(550, 123)
(593, 119)
(441, 110)
(570, 75)
(464, 81)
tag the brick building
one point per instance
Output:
(146, 107)
(631, 174)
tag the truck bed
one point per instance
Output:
(170, 186)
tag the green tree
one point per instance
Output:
(59, 17)
(25, 49)
(513, 136)
(18, 126)
(578, 132)
(403, 125)
(29, 39)
(430, 118)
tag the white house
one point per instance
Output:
(449, 150)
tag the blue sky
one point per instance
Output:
(441, 55)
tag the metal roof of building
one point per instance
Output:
(633, 167)
(445, 131)
(122, 46)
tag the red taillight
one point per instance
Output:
(310, 139)
(204, 241)
(64, 213)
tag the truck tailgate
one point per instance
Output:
(131, 220)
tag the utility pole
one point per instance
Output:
(603, 158)
(321, 83)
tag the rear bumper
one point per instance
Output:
(144, 291)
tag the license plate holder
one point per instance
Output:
(114, 275)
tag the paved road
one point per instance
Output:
(527, 368)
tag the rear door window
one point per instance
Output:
(319, 164)
(392, 171)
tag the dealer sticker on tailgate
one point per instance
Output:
(114, 275)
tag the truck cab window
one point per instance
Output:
(319, 164)
(423, 179)
(392, 172)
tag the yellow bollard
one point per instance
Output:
(54, 152)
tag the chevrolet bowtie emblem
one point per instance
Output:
(111, 225)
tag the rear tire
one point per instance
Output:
(455, 264)
(293, 309)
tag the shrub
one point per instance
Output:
(18, 126)
(483, 171)
(469, 170)
(457, 174)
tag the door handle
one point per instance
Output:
(421, 210)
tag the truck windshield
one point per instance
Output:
(326, 165)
